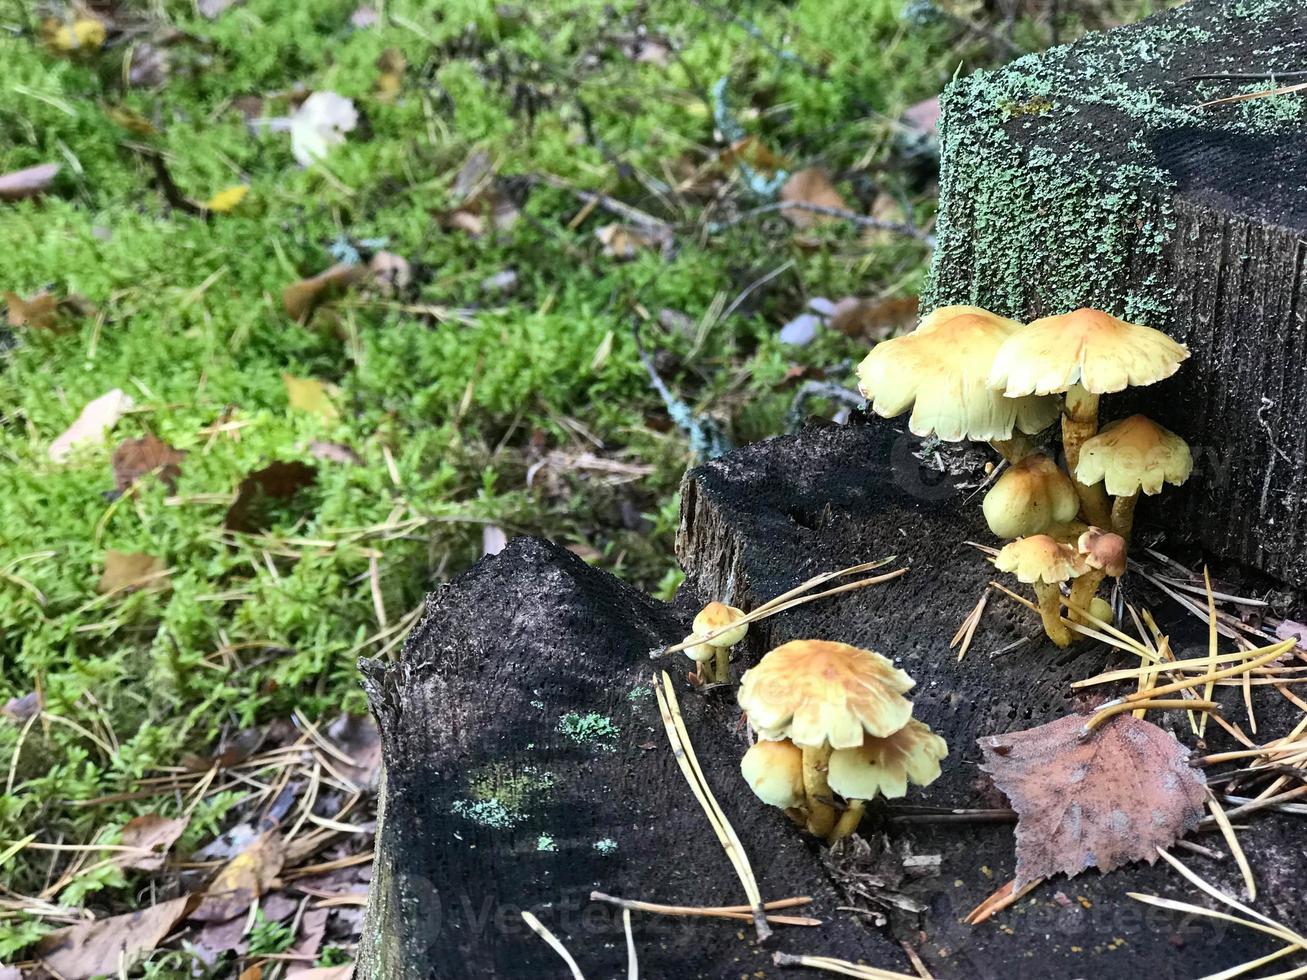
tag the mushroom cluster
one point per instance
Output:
(717, 628)
(969, 374)
(834, 731)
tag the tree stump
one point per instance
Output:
(526, 765)
(1092, 175)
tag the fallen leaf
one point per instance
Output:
(750, 150)
(131, 120)
(127, 571)
(110, 946)
(41, 312)
(243, 879)
(150, 66)
(152, 832)
(358, 738)
(923, 117)
(391, 64)
(313, 927)
(334, 452)
(483, 204)
(280, 480)
(874, 319)
(213, 8)
(810, 186)
(212, 941)
(343, 972)
(801, 331)
(1101, 802)
(310, 395)
(80, 36)
(390, 273)
(254, 972)
(24, 708)
(363, 18)
(135, 458)
(89, 428)
(301, 298)
(624, 242)
(226, 199)
(502, 282)
(320, 122)
(28, 182)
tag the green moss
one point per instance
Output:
(588, 729)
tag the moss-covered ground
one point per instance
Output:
(468, 405)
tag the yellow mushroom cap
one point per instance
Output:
(714, 616)
(774, 771)
(1040, 558)
(1103, 550)
(1030, 497)
(885, 765)
(1086, 347)
(941, 372)
(816, 692)
(1134, 454)
(698, 652)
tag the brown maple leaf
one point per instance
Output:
(1099, 802)
(134, 458)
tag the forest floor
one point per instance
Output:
(268, 482)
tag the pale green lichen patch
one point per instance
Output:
(546, 843)
(500, 796)
(488, 813)
(638, 695)
(589, 729)
(606, 846)
(1052, 192)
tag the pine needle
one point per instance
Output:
(744, 912)
(1212, 652)
(679, 738)
(1241, 859)
(844, 967)
(538, 928)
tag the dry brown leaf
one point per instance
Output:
(874, 319)
(254, 972)
(243, 879)
(923, 117)
(310, 395)
(127, 571)
(301, 298)
(358, 738)
(41, 312)
(21, 709)
(28, 182)
(753, 152)
(102, 947)
(279, 480)
(343, 972)
(390, 273)
(313, 927)
(135, 458)
(624, 242)
(214, 8)
(391, 64)
(483, 204)
(1100, 802)
(153, 832)
(98, 417)
(811, 186)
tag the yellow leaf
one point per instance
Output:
(83, 34)
(227, 198)
(127, 571)
(309, 395)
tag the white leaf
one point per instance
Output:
(97, 418)
(321, 122)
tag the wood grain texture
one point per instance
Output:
(1093, 175)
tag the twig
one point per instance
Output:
(632, 958)
(538, 928)
(831, 965)
(689, 765)
(714, 912)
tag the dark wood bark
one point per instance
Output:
(475, 710)
(1091, 175)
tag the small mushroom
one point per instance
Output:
(703, 656)
(883, 766)
(1029, 498)
(1132, 455)
(1045, 563)
(774, 771)
(715, 616)
(1105, 554)
(824, 696)
(939, 371)
(1085, 353)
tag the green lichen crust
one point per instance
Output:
(1059, 173)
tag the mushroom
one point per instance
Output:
(824, 696)
(703, 656)
(939, 371)
(884, 766)
(1105, 554)
(715, 616)
(1131, 455)
(774, 771)
(1030, 497)
(1085, 353)
(1045, 563)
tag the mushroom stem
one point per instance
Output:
(1083, 591)
(1123, 515)
(821, 815)
(1067, 531)
(1013, 450)
(848, 821)
(723, 670)
(1050, 611)
(1079, 423)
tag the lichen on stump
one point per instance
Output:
(1092, 175)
